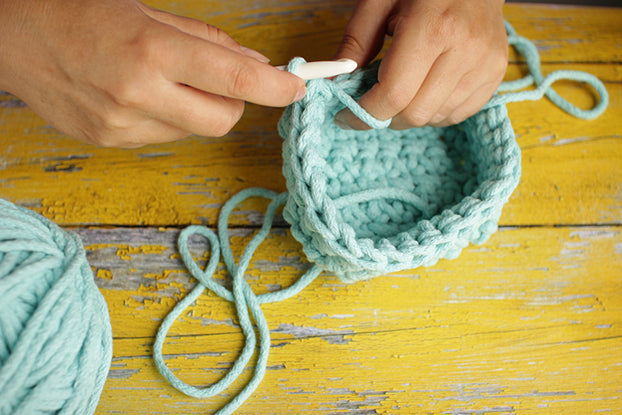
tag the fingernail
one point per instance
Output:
(341, 122)
(300, 94)
(254, 54)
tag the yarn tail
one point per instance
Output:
(544, 84)
(247, 303)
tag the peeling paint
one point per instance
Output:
(302, 332)
(125, 252)
(122, 373)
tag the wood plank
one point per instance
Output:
(282, 30)
(399, 372)
(575, 165)
(531, 321)
(531, 276)
(186, 182)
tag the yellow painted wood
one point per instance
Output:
(313, 28)
(578, 173)
(530, 322)
(186, 182)
(422, 371)
(530, 271)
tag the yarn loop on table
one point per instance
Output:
(241, 295)
(55, 335)
(365, 203)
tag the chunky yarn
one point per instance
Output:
(247, 304)
(55, 336)
(366, 203)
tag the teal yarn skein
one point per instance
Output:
(55, 334)
(367, 203)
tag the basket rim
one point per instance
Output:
(306, 188)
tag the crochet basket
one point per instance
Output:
(364, 203)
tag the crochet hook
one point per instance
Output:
(322, 69)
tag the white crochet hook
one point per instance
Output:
(322, 69)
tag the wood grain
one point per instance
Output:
(578, 179)
(578, 175)
(517, 325)
(528, 323)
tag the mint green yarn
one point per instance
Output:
(367, 203)
(247, 303)
(543, 84)
(55, 335)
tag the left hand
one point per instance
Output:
(446, 59)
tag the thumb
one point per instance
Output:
(364, 34)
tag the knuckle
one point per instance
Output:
(241, 82)
(100, 138)
(115, 119)
(213, 33)
(396, 98)
(449, 22)
(440, 30)
(126, 93)
(144, 46)
(439, 117)
(417, 117)
(351, 45)
(458, 116)
(143, 57)
(227, 120)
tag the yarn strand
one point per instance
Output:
(544, 84)
(362, 227)
(247, 303)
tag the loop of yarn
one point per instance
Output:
(365, 203)
(55, 335)
(247, 303)
(544, 84)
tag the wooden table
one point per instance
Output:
(530, 322)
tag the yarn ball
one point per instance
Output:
(55, 335)
(365, 203)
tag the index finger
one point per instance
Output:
(401, 74)
(216, 69)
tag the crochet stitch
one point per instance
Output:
(366, 203)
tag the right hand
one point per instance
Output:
(122, 74)
(446, 60)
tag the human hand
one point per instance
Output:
(446, 59)
(119, 73)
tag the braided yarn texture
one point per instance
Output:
(364, 203)
(55, 335)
